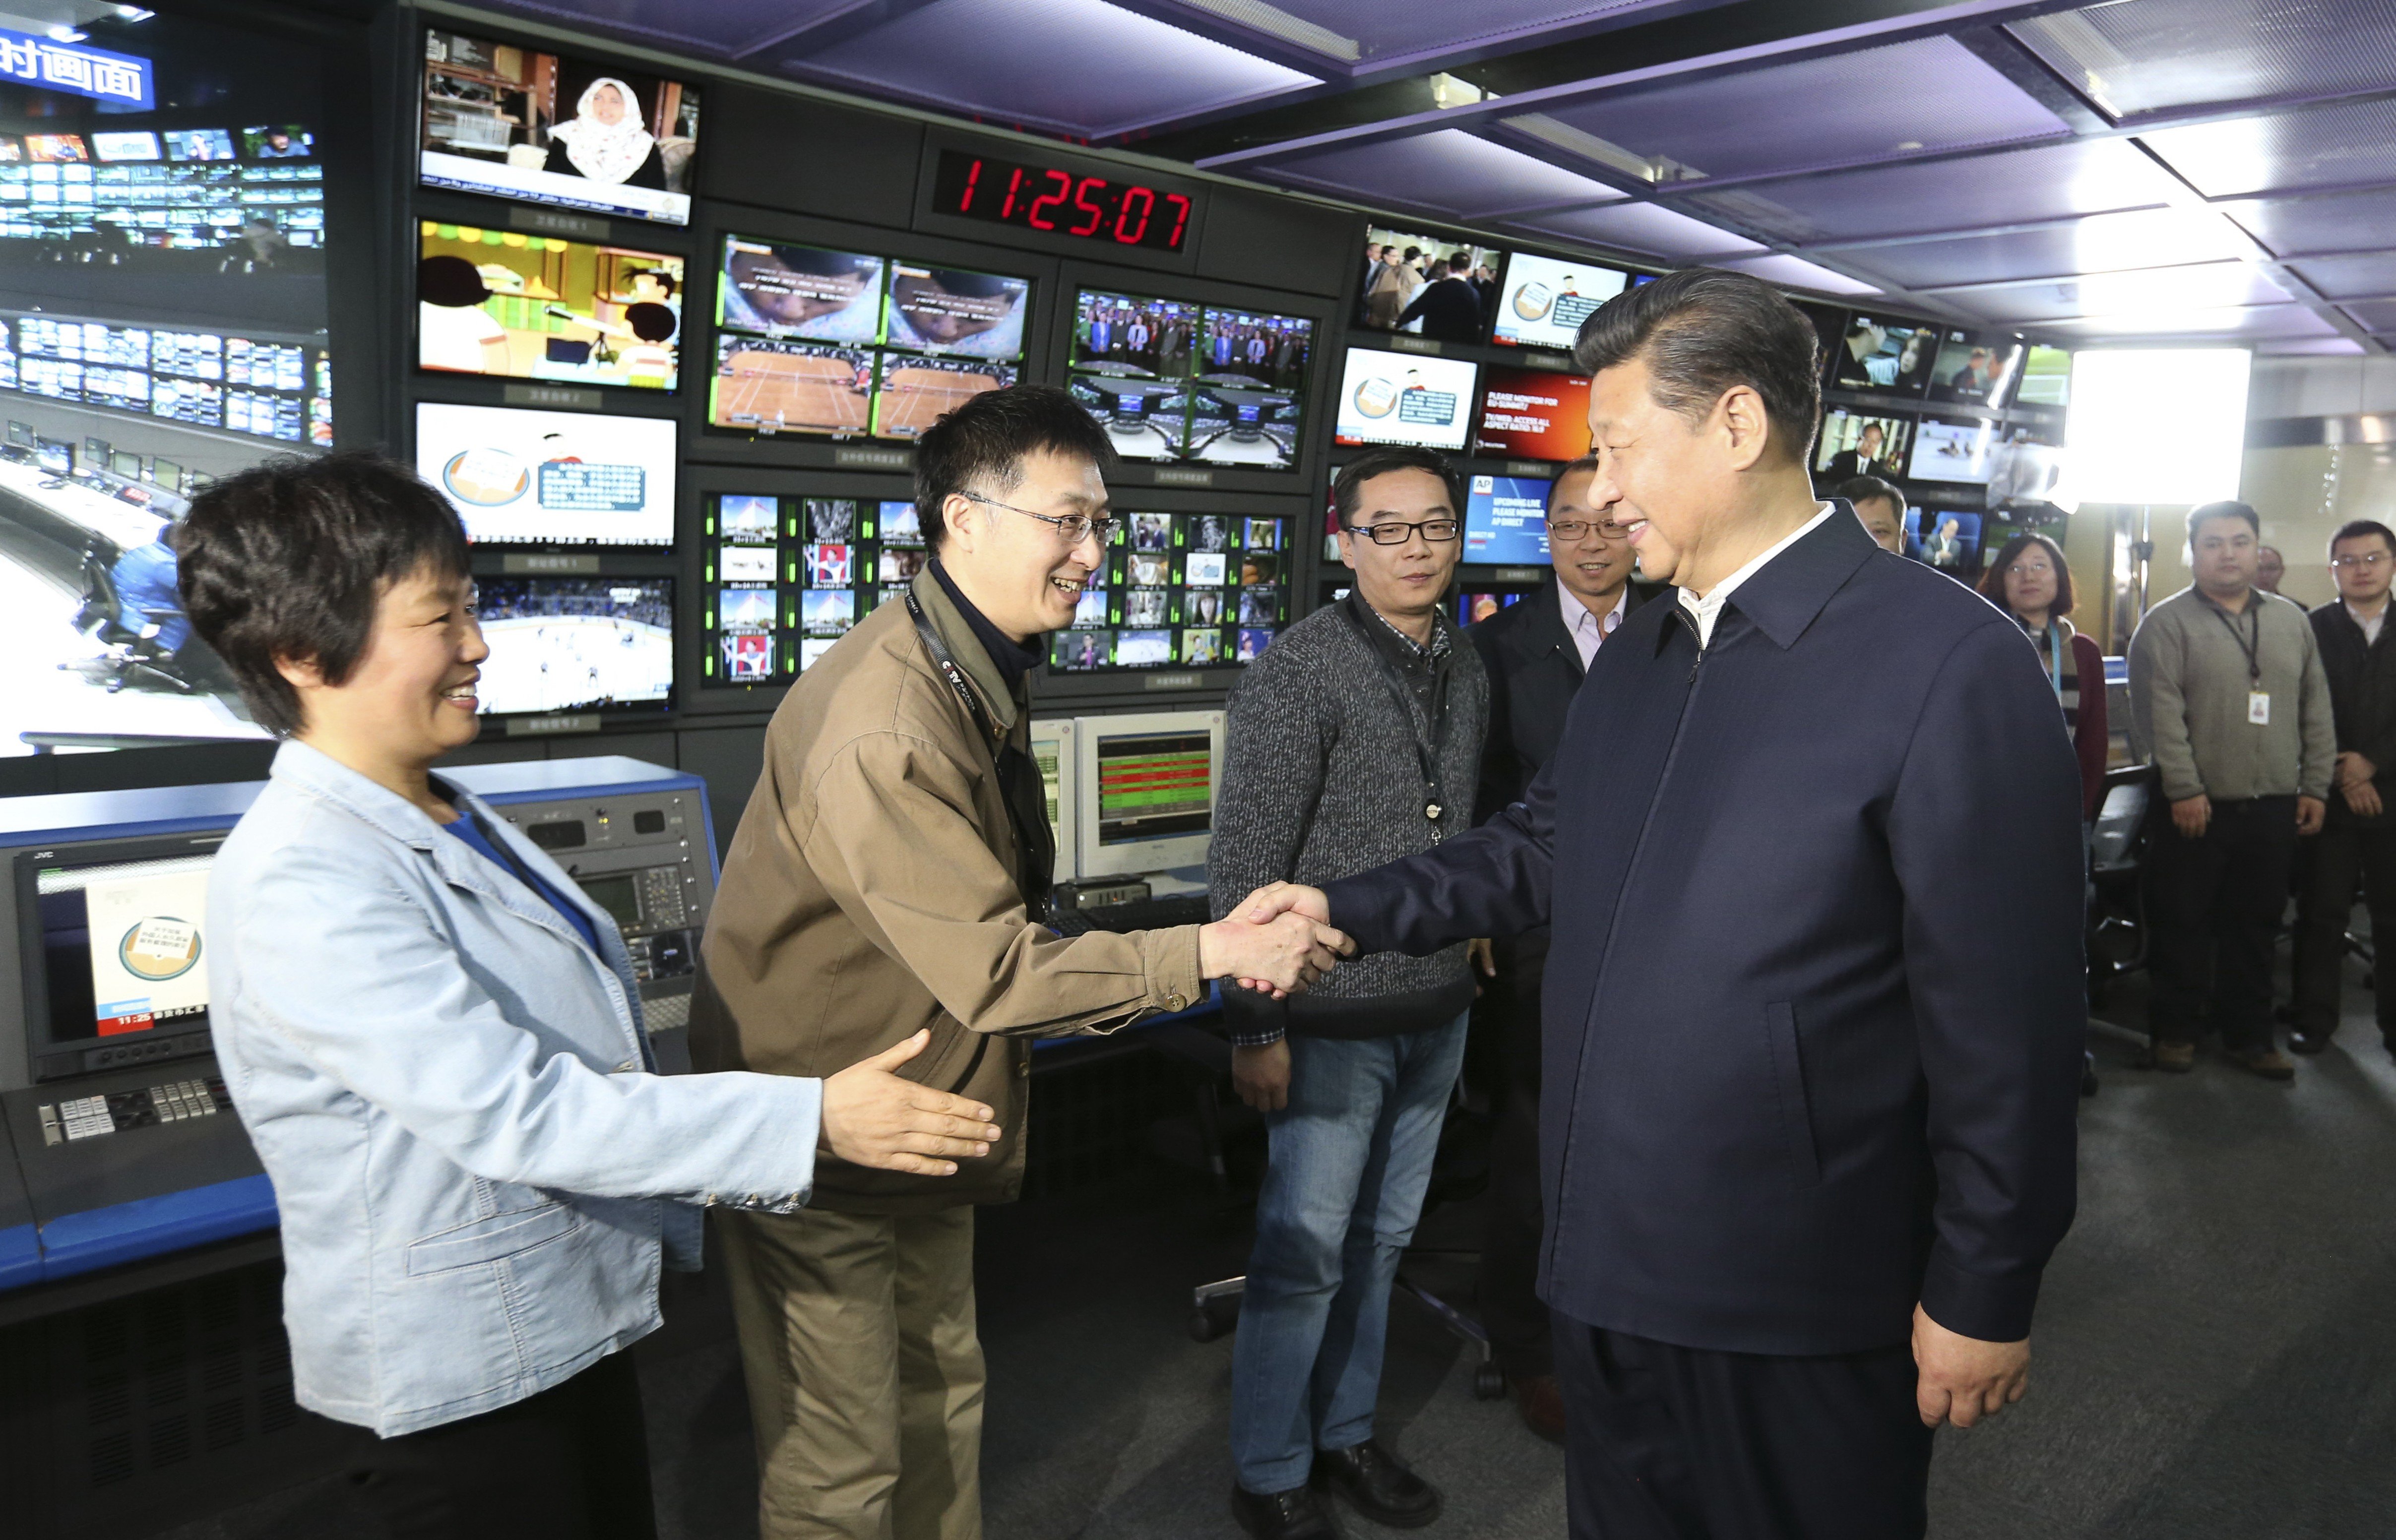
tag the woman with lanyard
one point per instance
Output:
(434, 1041)
(2030, 581)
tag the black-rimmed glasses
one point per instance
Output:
(1395, 532)
(1075, 527)
(1571, 531)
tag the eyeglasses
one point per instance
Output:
(1395, 532)
(2031, 569)
(2372, 559)
(1075, 527)
(1570, 531)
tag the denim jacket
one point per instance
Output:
(478, 1175)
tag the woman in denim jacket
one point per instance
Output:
(434, 1041)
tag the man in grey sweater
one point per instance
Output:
(2228, 698)
(1356, 739)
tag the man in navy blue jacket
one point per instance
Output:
(1811, 851)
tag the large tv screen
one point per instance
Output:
(1543, 300)
(575, 644)
(541, 308)
(519, 124)
(522, 477)
(1400, 292)
(1172, 380)
(1532, 414)
(1403, 398)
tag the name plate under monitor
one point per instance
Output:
(526, 565)
(1531, 468)
(568, 396)
(860, 457)
(550, 221)
(570, 722)
(1183, 475)
(1403, 343)
(1172, 682)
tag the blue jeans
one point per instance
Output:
(1351, 1155)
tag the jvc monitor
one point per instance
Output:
(1146, 787)
(114, 948)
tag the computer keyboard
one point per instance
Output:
(1138, 915)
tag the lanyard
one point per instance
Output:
(2254, 648)
(1425, 750)
(1037, 849)
(2054, 657)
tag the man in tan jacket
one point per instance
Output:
(886, 878)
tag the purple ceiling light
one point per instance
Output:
(2229, 326)
(1449, 171)
(1377, 34)
(2149, 56)
(2200, 286)
(1796, 273)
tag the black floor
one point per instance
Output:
(2216, 1354)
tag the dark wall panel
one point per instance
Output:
(783, 152)
(728, 760)
(1255, 238)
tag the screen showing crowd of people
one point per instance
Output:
(1789, 1050)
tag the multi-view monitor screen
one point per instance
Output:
(1506, 520)
(1405, 399)
(1890, 357)
(1532, 414)
(1172, 380)
(534, 307)
(522, 477)
(517, 123)
(575, 644)
(1975, 368)
(1401, 289)
(1856, 444)
(850, 344)
(788, 576)
(1543, 300)
(1181, 591)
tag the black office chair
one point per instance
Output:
(129, 637)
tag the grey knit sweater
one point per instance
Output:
(1321, 780)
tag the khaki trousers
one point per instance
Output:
(864, 1371)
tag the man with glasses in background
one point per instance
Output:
(890, 875)
(1354, 739)
(2358, 840)
(1536, 654)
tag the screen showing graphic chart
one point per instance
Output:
(1180, 590)
(1543, 300)
(1891, 357)
(575, 644)
(523, 477)
(1156, 786)
(1975, 368)
(1403, 398)
(852, 344)
(789, 575)
(1172, 380)
(1506, 520)
(534, 307)
(546, 129)
(1532, 414)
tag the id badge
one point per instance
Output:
(2259, 708)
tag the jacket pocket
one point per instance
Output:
(493, 1239)
(1788, 1090)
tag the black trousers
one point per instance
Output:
(2214, 904)
(1511, 1311)
(1686, 1443)
(2348, 852)
(571, 1463)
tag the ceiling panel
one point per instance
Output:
(2377, 315)
(2145, 56)
(1643, 228)
(2199, 286)
(2291, 227)
(2316, 147)
(705, 26)
(1797, 272)
(1371, 32)
(2102, 244)
(2286, 346)
(2234, 324)
(2364, 277)
(1082, 66)
(2006, 187)
(1871, 104)
(1448, 170)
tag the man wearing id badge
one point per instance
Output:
(2229, 700)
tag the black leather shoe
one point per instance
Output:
(2307, 1042)
(1377, 1485)
(1292, 1515)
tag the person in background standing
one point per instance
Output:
(2229, 701)
(2270, 568)
(1536, 654)
(2030, 581)
(2358, 839)
(1881, 508)
(1353, 740)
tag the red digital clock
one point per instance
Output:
(1059, 202)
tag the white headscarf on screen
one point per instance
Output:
(604, 152)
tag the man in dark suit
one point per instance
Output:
(1814, 1018)
(1448, 306)
(1536, 654)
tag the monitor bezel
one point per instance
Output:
(1092, 859)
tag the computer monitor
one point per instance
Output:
(576, 644)
(95, 452)
(1147, 786)
(109, 937)
(2046, 377)
(1543, 300)
(1506, 520)
(1891, 356)
(167, 474)
(21, 434)
(56, 456)
(1052, 751)
(1952, 449)
(124, 462)
(1975, 368)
